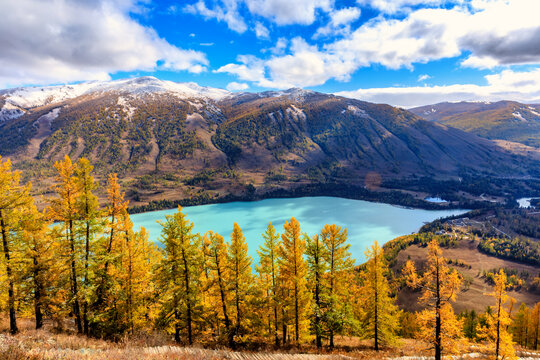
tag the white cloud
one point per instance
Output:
(62, 41)
(396, 6)
(339, 23)
(507, 85)
(226, 11)
(421, 36)
(287, 12)
(235, 86)
(423, 77)
(261, 31)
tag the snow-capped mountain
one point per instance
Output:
(16, 102)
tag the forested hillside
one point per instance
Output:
(181, 141)
(505, 120)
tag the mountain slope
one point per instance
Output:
(505, 120)
(172, 141)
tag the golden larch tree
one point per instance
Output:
(268, 254)
(495, 331)
(338, 278)
(440, 285)
(90, 224)
(179, 274)
(381, 314)
(63, 208)
(241, 280)
(219, 276)
(316, 272)
(293, 277)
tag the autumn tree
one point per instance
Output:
(13, 197)
(139, 256)
(179, 274)
(440, 285)
(496, 329)
(339, 276)
(241, 279)
(381, 314)
(89, 225)
(269, 264)
(63, 208)
(219, 276)
(535, 326)
(317, 269)
(293, 271)
(37, 259)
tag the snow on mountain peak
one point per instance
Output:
(19, 99)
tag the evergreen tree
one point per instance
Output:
(338, 278)
(381, 318)
(520, 325)
(293, 271)
(440, 285)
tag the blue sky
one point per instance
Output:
(402, 52)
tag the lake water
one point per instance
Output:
(365, 221)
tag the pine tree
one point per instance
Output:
(63, 208)
(520, 325)
(496, 329)
(180, 269)
(338, 278)
(13, 197)
(293, 271)
(380, 311)
(440, 285)
(241, 279)
(90, 219)
(317, 269)
(219, 278)
(268, 254)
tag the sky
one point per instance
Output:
(402, 52)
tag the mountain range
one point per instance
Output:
(176, 140)
(505, 120)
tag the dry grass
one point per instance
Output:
(49, 345)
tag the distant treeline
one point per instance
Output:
(393, 197)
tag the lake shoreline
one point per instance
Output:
(391, 197)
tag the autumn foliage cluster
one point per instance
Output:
(82, 261)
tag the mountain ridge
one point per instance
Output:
(180, 143)
(503, 120)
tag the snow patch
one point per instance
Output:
(10, 111)
(48, 117)
(357, 111)
(296, 113)
(518, 116)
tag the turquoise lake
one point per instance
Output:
(365, 221)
